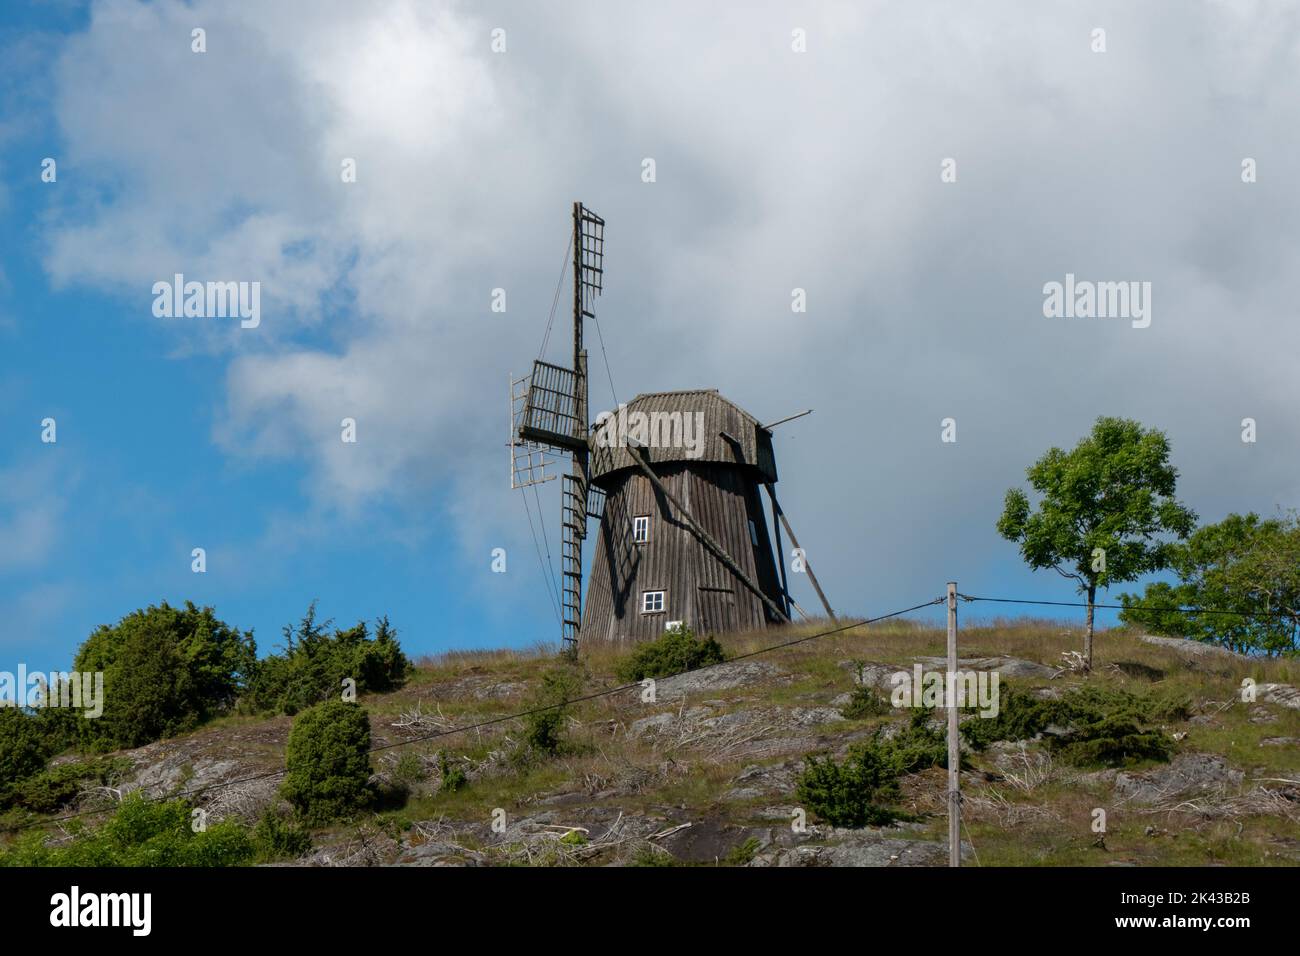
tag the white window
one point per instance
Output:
(753, 532)
(652, 602)
(641, 529)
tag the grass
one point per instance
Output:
(1049, 824)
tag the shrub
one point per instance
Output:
(1104, 726)
(742, 855)
(166, 670)
(864, 703)
(328, 762)
(544, 728)
(1112, 741)
(1021, 716)
(313, 665)
(408, 771)
(279, 838)
(23, 751)
(453, 777)
(140, 833)
(854, 793)
(56, 787)
(918, 746)
(672, 653)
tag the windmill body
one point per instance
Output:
(675, 481)
(650, 566)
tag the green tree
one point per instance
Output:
(1104, 513)
(23, 750)
(328, 762)
(166, 670)
(1244, 566)
(314, 663)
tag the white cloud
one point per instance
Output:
(776, 170)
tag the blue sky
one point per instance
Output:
(776, 170)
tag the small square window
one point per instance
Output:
(652, 602)
(641, 529)
(753, 532)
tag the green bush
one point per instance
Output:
(864, 703)
(544, 727)
(1102, 726)
(854, 793)
(1021, 716)
(328, 762)
(1112, 741)
(314, 664)
(453, 777)
(918, 746)
(140, 833)
(408, 771)
(23, 750)
(56, 787)
(278, 838)
(672, 653)
(166, 670)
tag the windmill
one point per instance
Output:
(674, 478)
(549, 418)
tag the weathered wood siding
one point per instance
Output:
(698, 588)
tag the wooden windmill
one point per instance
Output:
(674, 479)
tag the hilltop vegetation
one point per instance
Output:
(723, 765)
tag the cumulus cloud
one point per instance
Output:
(775, 170)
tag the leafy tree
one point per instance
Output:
(314, 663)
(1104, 511)
(23, 751)
(166, 670)
(1245, 566)
(328, 762)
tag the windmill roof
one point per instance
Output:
(682, 426)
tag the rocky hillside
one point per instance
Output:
(706, 774)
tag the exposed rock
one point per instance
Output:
(719, 677)
(1284, 695)
(758, 780)
(708, 841)
(1187, 774)
(1192, 649)
(1280, 742)
(750, 724)
(880, 676)
(1002, 664)
(866, 847)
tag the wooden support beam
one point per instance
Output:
(780, 553)
(806, 563)
(639, 453)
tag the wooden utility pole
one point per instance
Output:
(954, 747)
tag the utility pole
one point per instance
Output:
(954, 748)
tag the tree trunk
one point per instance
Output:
(1087, 634)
